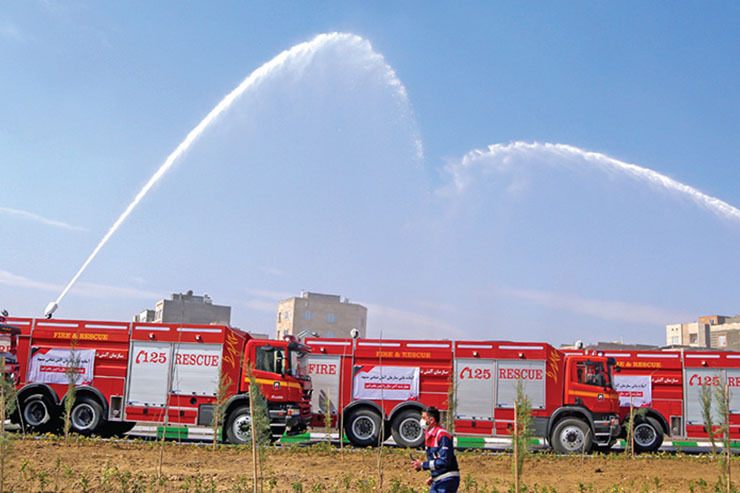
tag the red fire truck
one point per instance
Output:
(127, 373)
(667, 384)
(379, 388)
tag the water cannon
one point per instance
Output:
(50, 309)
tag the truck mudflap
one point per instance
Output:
(606, 429)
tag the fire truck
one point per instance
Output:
(667, 386)
(156, 374)
(378, 388)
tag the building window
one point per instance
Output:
(307, 315)
(722, 341)
(331, 318)
(287, 314)
(674, 340)
(280, 317)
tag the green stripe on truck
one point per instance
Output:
(172, 432)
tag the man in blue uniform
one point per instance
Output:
(441, 461)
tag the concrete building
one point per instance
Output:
(187, 309)
(710, 331)
(692, 334)
(327, 315)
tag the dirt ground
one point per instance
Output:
(53, 464)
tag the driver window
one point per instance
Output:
(270, 360)
(590, 375)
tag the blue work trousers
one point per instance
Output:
(448, 485)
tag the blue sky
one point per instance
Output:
(578, 180)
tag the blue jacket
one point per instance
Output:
(441, 460)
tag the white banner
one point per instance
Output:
(54, 366)
(635, 387)
(392, 383)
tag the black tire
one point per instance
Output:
(116, 429)
(39, 414)
(239, 426)
(571, 436)
(648, 434)
(406, 429)
(362, 427)
(86, 417)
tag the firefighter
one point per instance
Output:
(441, 461)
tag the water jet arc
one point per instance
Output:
(298, 53)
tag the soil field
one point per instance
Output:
(81, 465)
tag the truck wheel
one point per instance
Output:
(648, 435)
(86, 416)
(39, 414)
(363, 428)
(239, 426)
(406, 429)
(571, 436)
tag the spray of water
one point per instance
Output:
(501, 155)
(296, 57)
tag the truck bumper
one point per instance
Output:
(606, 429)
(290, 418)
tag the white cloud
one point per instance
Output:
(271, 295)
(403, 324)
(40, 219)
(261, 306)
(85, 289)
(616, 311)
(273, 271)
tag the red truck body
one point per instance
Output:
(131, 373)
(380, 387)
(667, 384)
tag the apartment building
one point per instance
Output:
(322, 315)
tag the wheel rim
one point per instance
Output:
(645, 435)
(242, 428)
(83, 416)
(572, 438)
(363, 427)
(35, 413)
(410, 430)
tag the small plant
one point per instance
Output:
(705, 399)
(722, 398)
(522, 431)
(451, 404)
(297, 487)
(222, 395)
(71, 373)
(7, 406)
(327, 416)
(469, 483)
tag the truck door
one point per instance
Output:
(324, 372)
(149, 374)
(474, 379)
(695, 379)
(532, 375)
(196, 369)
(269, 369)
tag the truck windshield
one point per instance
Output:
(299, 364)
(593, 373)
